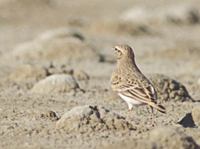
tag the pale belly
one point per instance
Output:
(130, 100)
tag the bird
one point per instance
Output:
(130, 83)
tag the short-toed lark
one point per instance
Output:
(129, 82)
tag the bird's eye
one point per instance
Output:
(117, 50)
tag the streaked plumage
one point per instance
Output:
(129, 82)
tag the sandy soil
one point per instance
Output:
(56, 61)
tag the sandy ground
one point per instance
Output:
(56, 61)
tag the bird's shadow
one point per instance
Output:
(187, 121)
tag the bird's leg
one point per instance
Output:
(130, 106)
(151, 120)
(151, 109)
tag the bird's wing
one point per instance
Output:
(138, 92)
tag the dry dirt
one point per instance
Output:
(56, 59)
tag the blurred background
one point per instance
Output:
(22, 20)
(165, 26)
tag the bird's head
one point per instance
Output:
(123, 51)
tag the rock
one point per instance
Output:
(58, 69)
(196, 115)
(191, 119)
(159, 138)
(169, 89)
(59, 45)
(60, 83)
(138, 15)
(170, 14)
(169, 138)
(50, 115)
(27, 72)
(81, 75)
(63, 69)
(61, 33)
(92, 118)
(182, 14)
(120, 27)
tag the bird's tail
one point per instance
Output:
(160, 108)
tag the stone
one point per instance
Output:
(87, 119)
(61, 33)
(196, 115)
(81, 75)
(169, 89)
(60, 83)
(170, 138)
(27, 72)
(58, 69)
(120, 27)
(63, 69)
(59, 46)
(51, 115)
(181, 14)
(159, 138)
